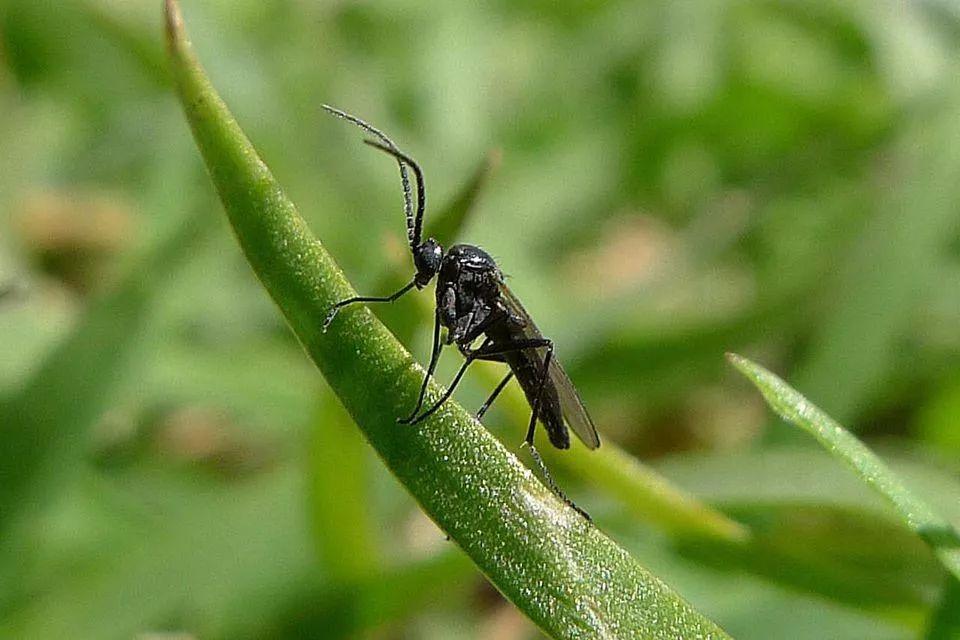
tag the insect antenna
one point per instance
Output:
(403, 158)
(414, 225)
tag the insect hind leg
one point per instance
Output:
(531, 429)
(551, 483)
(493, 351)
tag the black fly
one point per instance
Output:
(473, 302)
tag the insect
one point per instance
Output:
(472, 303)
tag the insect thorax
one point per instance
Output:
(468, 286)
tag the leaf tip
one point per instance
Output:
(738, 361)
(763, 379)
(174, 22)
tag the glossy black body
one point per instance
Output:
(471, 303)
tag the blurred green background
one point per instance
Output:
(677, 180)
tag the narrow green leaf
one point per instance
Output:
(803, 476)
(794, 408)
(849, 556)
(816, 527)
(560, 570)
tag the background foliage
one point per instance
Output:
(677, 180)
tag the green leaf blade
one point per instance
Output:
(561, 571)
(796, 409)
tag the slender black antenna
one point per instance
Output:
(413, 225)
(403, 158)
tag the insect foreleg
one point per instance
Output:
(434, 359)
(332, 313)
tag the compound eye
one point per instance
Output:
(427, 259)
(431, 254)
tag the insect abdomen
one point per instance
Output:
(528, 367)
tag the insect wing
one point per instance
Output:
(574, 413)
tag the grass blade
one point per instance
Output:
(562, 572)
(794, 408)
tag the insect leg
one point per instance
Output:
(449, 392)
(493, 396)
(332, 313)
(434, 359)
(536, 401)
(495, 353)
(490, 352)
(551, 484)
(528, 441)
